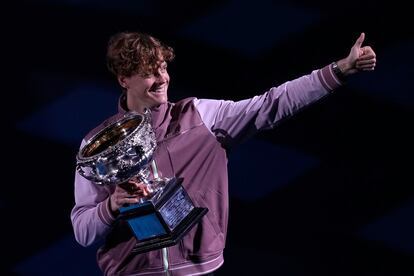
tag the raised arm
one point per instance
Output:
(233, 122)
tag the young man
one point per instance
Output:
(192, 137)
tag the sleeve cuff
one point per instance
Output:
(328, 78)
(105, 213)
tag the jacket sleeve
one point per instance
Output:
(232, 122)
(91, 216)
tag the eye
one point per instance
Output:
(163, 67)
(146, 76)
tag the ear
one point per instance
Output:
(123, 81)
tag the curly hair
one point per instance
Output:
(131, 53)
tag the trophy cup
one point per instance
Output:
(124, 150)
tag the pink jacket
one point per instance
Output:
(192, 138)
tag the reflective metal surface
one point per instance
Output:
(119, 152)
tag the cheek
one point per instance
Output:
(147, 85)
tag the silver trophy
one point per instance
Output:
(124, 150)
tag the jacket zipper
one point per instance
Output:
(165, 261)
(164, 251)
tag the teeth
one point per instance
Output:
(158, 89)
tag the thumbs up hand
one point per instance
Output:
(360, 58)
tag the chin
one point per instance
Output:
(162, 100)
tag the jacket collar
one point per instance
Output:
(158, 113)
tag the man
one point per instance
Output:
(192, 138)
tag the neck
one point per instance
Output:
(134, 105)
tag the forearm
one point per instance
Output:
(91, 217)
(239, 120)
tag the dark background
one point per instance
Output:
(328, 192)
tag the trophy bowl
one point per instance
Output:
(118, 152)
(124, 150)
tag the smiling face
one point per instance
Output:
(139, 61)
(146, 91)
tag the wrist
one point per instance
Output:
(113, 208)
(344, 66)
(338, 71)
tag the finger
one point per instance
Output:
(133, 190)
(364, 62)
(144, 189)
(131, 200)
(130, 187)
(367, 53)
(368, 50)
(366, 57)
(137, 185)
(131, 181)
(366, 67)
(121, 193)
(125, 186)
(360, 40)
(118, 190)
(135, 181)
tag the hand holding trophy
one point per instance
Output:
(124, 151)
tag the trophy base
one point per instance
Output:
(172, 238)
(164, 219)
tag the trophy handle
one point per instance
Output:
(83, 173)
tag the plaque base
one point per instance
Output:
(164, 219)
(175, 236)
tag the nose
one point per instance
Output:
(161, 76)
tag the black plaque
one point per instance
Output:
(164, 219)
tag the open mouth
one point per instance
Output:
(157, 89)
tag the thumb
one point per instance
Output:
(360, 40)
